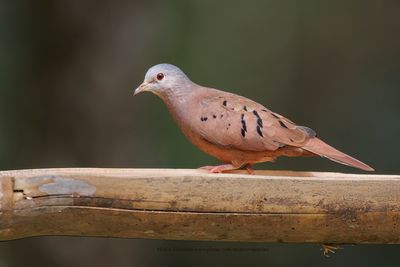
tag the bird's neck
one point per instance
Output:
(178, 102)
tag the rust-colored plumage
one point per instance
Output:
(236, 130)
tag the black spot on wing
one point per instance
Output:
(244, 126)
(245, 108)
(282, 124)
(259, 131)
(203, 118)
(224, 103)
(273, 114)
(259, 120)
(243, 132)
(214, 116)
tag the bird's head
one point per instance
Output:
(162, 79)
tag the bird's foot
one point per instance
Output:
(219, 168)
(226, 167)
(249, 169)
(329, 248)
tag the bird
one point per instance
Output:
(234, 129)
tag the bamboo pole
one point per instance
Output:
(271, 206)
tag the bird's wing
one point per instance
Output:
(237, 122)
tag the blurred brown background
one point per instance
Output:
(68, 69)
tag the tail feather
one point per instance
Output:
(322, 149)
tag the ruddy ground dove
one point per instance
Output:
(238, 131)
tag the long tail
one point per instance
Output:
(322, 149)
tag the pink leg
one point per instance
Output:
(249, 169)
(219, 168)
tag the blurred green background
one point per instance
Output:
(68, 69)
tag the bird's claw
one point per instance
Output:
(219, 168)
(226, 167)
(329, 248)
(249, 169)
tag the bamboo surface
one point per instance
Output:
(271, 206)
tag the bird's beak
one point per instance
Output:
(141, 88)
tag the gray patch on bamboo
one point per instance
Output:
(63, 185)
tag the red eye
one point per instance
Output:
(160, 76)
